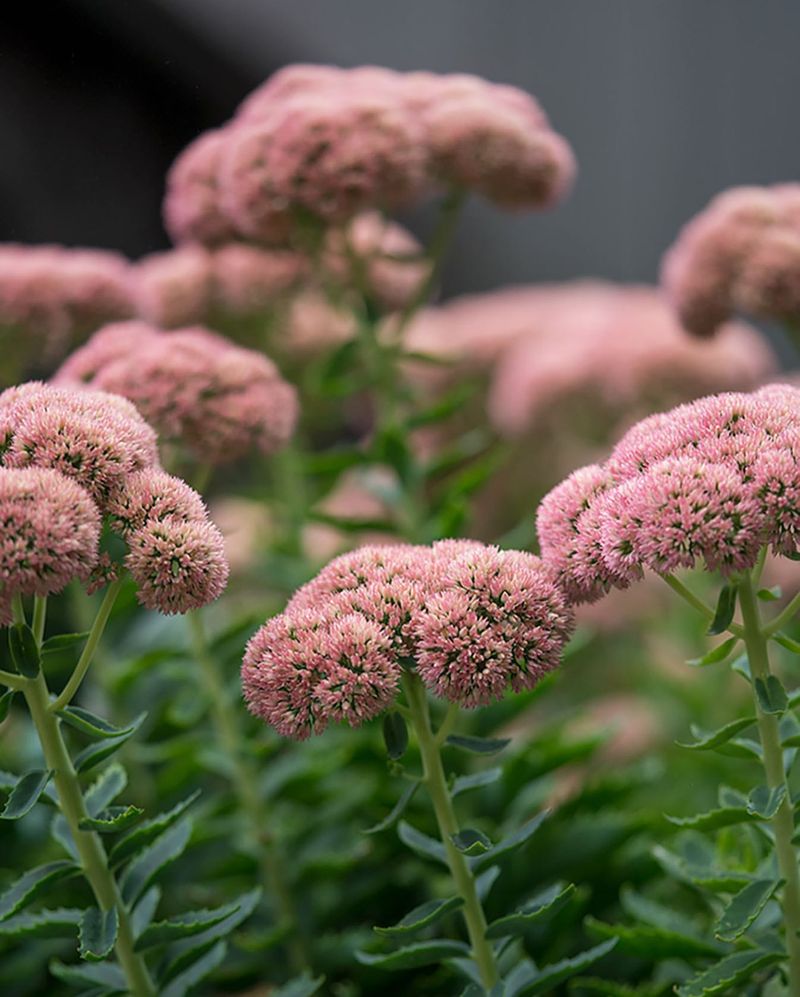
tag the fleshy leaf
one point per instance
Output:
(98, 932)
(475, 781)
(511, 842)
(421, 843)
(32, 884)
(58, 923)
(653, 942)
(744, 908)
(302, 986)
(706, 741)
(544, 904)
(107, 976)
(62, 650)
(88, 723)
(25, 794)
(771, 695)
(184, 926)
(112, 820)
(478, 745)
(713, 819)
(788, 642)
(723, 615)
(548, 977)
(197, 971)
(395, 735)
(397, 811)
(148, 831)
(420, 917)
(97, 752)
(715, 655)
(471, 841)
(729, 972)
(144, 911)
(413, 956)
(764, 801)
(146, 866)
(24, 650)
(770, 594)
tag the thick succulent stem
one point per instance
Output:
(439, 793)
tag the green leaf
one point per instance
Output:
(93, 754)
(717, 654)
(478, 745)
(109, 784)
(770, 594)
(32, 884)
(700, 872)
(714, 819)
(112, 820)
(764, 801)
(471, 841)
(543, 905)
(510, 843)
(148, 831)
(197, 971)
(97, 934)
(705, 741)
(771, 696)
(184, 953)
(184, 925)
(144, 911)
(788, 642)
(146, 866)
(5, 703)
(744, 908)
(729, 972)
(413, 956)
(548, 977)
(25, 794)
(395, 735)
(654, 942)
(397, 811)
(653, 913)
(106, 975)
(391, 447)
(420, 917)
(24, 650)
(302, 986)
(726, 607)
(88, 723)
(420, 843)
(475, 781)
(62, 651)
(59, 923)
(485, 881)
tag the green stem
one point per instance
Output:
(85, 660)
(785, 616)
(227, 726)
(39, 618)
(783, 821)
(93, 859)
(439, 793)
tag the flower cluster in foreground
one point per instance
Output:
(740, 254)
(57, 296)
(72, 459)
(196, 388)
(324, 144)
(711, 481)
(473, 620)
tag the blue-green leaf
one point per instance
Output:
(548, 977)
(413, 956)
(511, 842)
(395, 734)
(148, 831)
(397, 811)
(420, 917)
(106, 975)
(654, 942)
(715, 655)
(62, 650)
(147, 865)
(58, 923)
(24, 650)
(197, 971)
(764, 801)
(421, 843)
(728, 973)
(108, 785)
(184, 926)
(97, 752)
(112, 819)
(543, 905)
(713, 819)
(771, 695)
(478, 745)
(477, 780)
(144, 911)
(88, 723)
(471, 841)
(98, 933)
(723, 615)
(302, 986)
(705, 741)
(25, 794)
(744, 908)
(32, 884)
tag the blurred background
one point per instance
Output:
(664, 103)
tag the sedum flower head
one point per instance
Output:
(151, 496)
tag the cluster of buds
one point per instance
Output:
(320, 145)
(200, 391)
(712, 481)
(71, 460)
(472, 620)
(740, 254)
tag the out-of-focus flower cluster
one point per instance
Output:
(70, 459)
(52, 297)
(472, 620)
(199, 390)
(317, 145)
(740, 254)
(712, 481)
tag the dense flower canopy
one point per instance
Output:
(325, 144)
(473, 620)
(196, 388)
(740, 254)
(711, 481)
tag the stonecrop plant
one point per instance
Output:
(385, 730)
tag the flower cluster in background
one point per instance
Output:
(740, 254)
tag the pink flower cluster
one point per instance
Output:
(740, 254)
(324, 144)
(57, 296)
(69, 459)
(711, 481)
(196, 388)
(473, 620)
